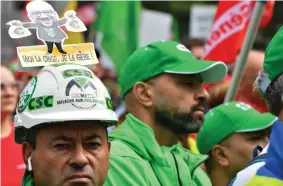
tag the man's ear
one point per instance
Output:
(219, 155)
(26, 152)
(109, 145)
(143, 93)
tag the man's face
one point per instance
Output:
(46, 17)
(9, 91)
(180, 102)
(198, 51)
(71, 154)
(240, 148)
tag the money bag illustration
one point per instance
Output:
(47, 23)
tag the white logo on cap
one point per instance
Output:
(182, 48)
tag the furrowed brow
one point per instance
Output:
(91, 137)
(63, 138)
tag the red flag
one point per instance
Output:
(267, 13)
(228, 31)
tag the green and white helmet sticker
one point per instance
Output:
(76, 72)
(27, 94)
(81, 93)
(109, 103)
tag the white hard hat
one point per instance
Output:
(62, 93)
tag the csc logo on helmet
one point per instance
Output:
(40, 102)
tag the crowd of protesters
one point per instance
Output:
(173, 125)
(230, 150)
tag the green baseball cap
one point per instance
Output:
(273, 63)
(167, 57)
(273, 58)
(229, 118)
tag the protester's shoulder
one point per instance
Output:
(126, 167)
(120, 149)
(244, 176)
(201, 177)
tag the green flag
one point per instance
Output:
(175, 30)
(117, 30)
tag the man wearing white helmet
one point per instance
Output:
(61, 121)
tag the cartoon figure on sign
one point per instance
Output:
(47, 23)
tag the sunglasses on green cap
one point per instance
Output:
(167, 57)
(273, 63)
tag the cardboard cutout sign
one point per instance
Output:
(47, 23)
(34, 56)
(17, 30)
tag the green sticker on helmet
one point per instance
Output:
(40, 102)
(61, 64)
(109, 103)
(27, 94)
(76, 72)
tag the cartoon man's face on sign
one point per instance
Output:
(47, 24)
(42, 13)
(44, 17)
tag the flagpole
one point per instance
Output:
(248, 43)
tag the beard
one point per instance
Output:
(179, 122)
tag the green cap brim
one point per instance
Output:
(258, 123)
(211, 72)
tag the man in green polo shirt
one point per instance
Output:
(231, 133)
(162, 87)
